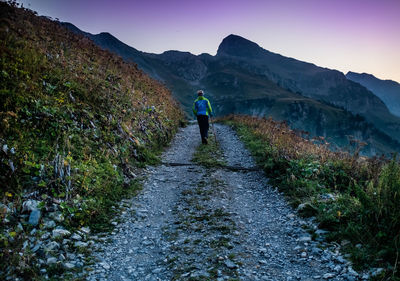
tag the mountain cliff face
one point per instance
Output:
(311, 81)
(243, 78)
(387, 90)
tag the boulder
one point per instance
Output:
(57, 216)
(328, 197)
(69, 265)
(29, 205)
(49, 224)
(230, 264)
(51, 246)
(4, 210)
(307, 209)
(80, 244)
(328, 275)
(51, 260)
(85, 230)
(34, 217)
(76, 236)
(45, 236)
(305, 239)
(59, 232)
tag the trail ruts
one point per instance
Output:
(222, 223)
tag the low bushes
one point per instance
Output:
(76, 125)
(356, 198)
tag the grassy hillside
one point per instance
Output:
(356, 199)
(76, 124)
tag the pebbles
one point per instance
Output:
(190, 222)
(48, 243)
(328, 275)
(139, 239)
(60, 233)
(305, 239)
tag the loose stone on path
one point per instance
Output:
(193, 223)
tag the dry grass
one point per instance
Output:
(76, 125)
(293, 145)
(365, 203)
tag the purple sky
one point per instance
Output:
(356, 35)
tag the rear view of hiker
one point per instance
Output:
(202, 109)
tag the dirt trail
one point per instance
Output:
(193, 223)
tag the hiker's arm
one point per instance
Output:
(194, 109)
(209, 108)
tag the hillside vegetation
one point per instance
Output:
(357, 199)
(76, 124)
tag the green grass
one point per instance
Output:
(212, 224)
(365, 209)
(209, 155)
(77, 124)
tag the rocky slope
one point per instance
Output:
(387, 90)
(310, 80)
(243, 78)
(77, 123)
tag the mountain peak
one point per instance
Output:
(109, 37)
(365, 75)
(234, 45)
(236, 38)
(174, 56)
(108, 34)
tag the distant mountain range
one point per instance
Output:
(387, 90)
(243, 78)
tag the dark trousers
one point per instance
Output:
(203, 125)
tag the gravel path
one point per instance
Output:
(193, 223)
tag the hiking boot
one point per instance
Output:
(204, 141)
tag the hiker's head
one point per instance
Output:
(200, 93)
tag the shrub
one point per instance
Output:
(354, 197)
(76, 125)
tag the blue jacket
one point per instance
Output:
(202, 106)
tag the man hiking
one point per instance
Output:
(202, 109)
